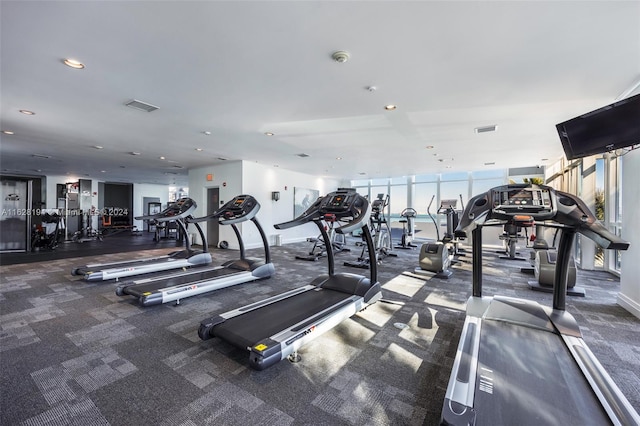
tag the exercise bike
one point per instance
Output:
(381, 235)
(319, 249)
(435, 257)
(408, 215)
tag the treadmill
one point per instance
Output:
(177, 211)
(173, 287)
(274, 329)
(517, 362)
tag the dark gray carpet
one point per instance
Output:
(75, 353)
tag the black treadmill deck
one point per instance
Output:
(246, 330)
(529, 377)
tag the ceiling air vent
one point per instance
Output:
(142, 106)
(486, 129)
(303, 155)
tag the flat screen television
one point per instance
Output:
(608, 128)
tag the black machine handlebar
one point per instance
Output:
(179, 209)
(239, 209)
(345, 204)
(504, 204)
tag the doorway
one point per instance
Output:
(213, 227)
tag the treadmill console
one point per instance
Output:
(511, 200)
(542, 203)
(345, 204)
(179, 209)
(241, 207)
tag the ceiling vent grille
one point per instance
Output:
(486, 129)
(302, 155)
(142, 106)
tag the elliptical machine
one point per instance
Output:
(381, 235)
(408, 216)
(435, 257)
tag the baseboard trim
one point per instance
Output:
(629, 304)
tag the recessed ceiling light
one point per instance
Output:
(98, 146)
(134, 153)
(27, 112)
(161, 157)
(206, 132)
(8, 132)
(390, 107)
(544, 159)
(269, 133)
(362, 173)
(103, 171)
(73, 64)
(338, 158)
(198, 149)
(429, 147)
(447, 167)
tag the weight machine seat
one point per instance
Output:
(545, 268)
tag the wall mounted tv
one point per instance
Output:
(605, 129)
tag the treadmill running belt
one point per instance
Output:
(154, 285)
(246, 330)
(528, 377)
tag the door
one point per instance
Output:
(15, 223)
(213, 227)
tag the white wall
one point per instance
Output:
(142, 190)
(243, 177)
(260, 181)
(228, 178)
(629, 296)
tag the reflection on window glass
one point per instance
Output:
(422, 196)
(363, 191)
(453, 191)
(360, 182)
(383, 181)
(455, 176)
(399, 180)
(398, 200)
(481, 186)
(427, 178)
(488, 174)
(599, 195)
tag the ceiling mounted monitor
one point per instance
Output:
(606, 129)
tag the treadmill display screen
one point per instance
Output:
(523, 198)
(238, 201)
(337, 201)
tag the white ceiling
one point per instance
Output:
(239, 69)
